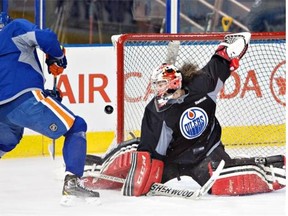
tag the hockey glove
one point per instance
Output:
(233, 48)
(57, 95)
(56, 66)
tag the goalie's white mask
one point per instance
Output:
(165, 80)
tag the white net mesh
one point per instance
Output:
(251, 106)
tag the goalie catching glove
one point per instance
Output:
(55, 65)
(233, 48)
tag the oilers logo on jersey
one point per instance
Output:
(193, 122)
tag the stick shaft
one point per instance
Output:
(54, 140)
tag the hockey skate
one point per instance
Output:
(74, 190)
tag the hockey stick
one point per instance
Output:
(158, 189)
(51, 147)
(163, 190)
(172, 52)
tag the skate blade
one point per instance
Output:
(70, 200)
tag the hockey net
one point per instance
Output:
(251, 105)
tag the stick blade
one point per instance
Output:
(51, 150)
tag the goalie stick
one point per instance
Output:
(159, 189)
(172, 52)
(163, 190)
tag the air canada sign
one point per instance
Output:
(277, 84)
(253, 82)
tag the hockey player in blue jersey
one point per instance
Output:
(24, 103)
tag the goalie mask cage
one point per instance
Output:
(250, 107)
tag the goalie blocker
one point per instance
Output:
(143, 173)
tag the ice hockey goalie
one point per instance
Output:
(181, 135)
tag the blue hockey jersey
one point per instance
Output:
(20, 69)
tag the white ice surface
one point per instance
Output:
(32, 186)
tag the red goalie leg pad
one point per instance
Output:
(240, 183)
(118, 166)
(143, 173)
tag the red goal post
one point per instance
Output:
(251, 106)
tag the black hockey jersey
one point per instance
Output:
(189, 130)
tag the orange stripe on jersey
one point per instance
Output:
(65, 116)
(62, 112)
(38, 95)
